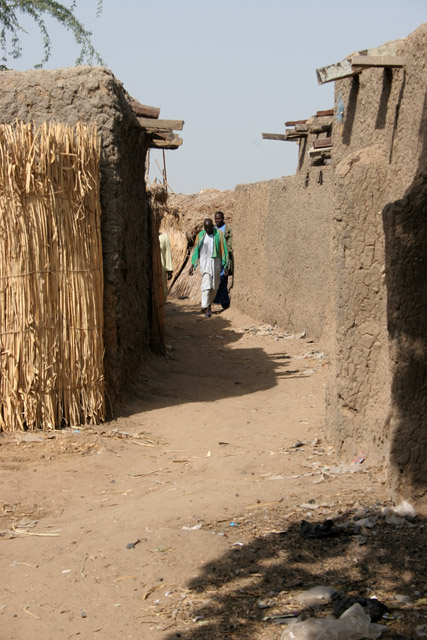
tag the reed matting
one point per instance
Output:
(51, 279)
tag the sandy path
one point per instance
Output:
(208, 443)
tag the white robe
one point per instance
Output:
(210, 269)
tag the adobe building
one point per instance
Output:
(340, 251)
(377, 399)
(283, 234)
(126, 130)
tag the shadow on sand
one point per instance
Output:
(237, 595)
(202, 364)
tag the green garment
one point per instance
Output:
(219, 248)
(228, 235)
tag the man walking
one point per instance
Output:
(222, 296)
(211, 255)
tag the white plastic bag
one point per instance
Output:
(354, 624)
(316, 596)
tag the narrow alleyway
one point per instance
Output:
(181, 518)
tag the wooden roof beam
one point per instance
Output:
(322, 143)
(319, 128)
(325, 112)
(143, 110)
(326, 152)
(165, 144)
(274, 136)
(344, 68)
(161, 125)
(292, 123)
(336, 72)
(378, 61)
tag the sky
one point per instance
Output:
(231, 69)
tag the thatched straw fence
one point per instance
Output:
(51, 279)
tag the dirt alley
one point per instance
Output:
(209, 472)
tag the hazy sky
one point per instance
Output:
(230, 69)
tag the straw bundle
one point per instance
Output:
(51, 279)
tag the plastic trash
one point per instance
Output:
(316, 596)
(396, 515)
(405, 510)
(323, 529)
(371, 606)
(354, 624)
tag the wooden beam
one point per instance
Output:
(320, 152)
(292, 123)
(301, 128)
(344, 68)
(291, 134)
(326, 112)
(319, 128)
(274, 136)
(143, 110)
(166, 144)
(162, 135)
(161, 125)
(321, 143)
(378, 61)
(336, 72)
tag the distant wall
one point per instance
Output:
(92, 94)
(377, 399)
(282, 249)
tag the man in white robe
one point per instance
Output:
(211, 255)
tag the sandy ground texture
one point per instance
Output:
(200, 512)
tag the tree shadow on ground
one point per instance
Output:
(202, 364)
(237, 595)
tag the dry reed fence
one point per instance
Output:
(51, 279)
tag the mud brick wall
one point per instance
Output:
(377, 399)
(92, 94)
(282, 248)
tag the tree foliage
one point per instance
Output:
(12, 11)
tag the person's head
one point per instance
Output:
(208, 225)
(219, 218)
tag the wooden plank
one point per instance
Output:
(162, 135)
(321, 143)
(335, 72)
(161, 125)
(320, 152)
(166, 144)
(274, 136)
(292, 123)
(319, 128)
(297, 134)
(378, 61)
(326, 112)
(143, 110)
(344, 68)
(291, 134)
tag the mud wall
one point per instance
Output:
(92, 94)
(377, 397)
(282, 250)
